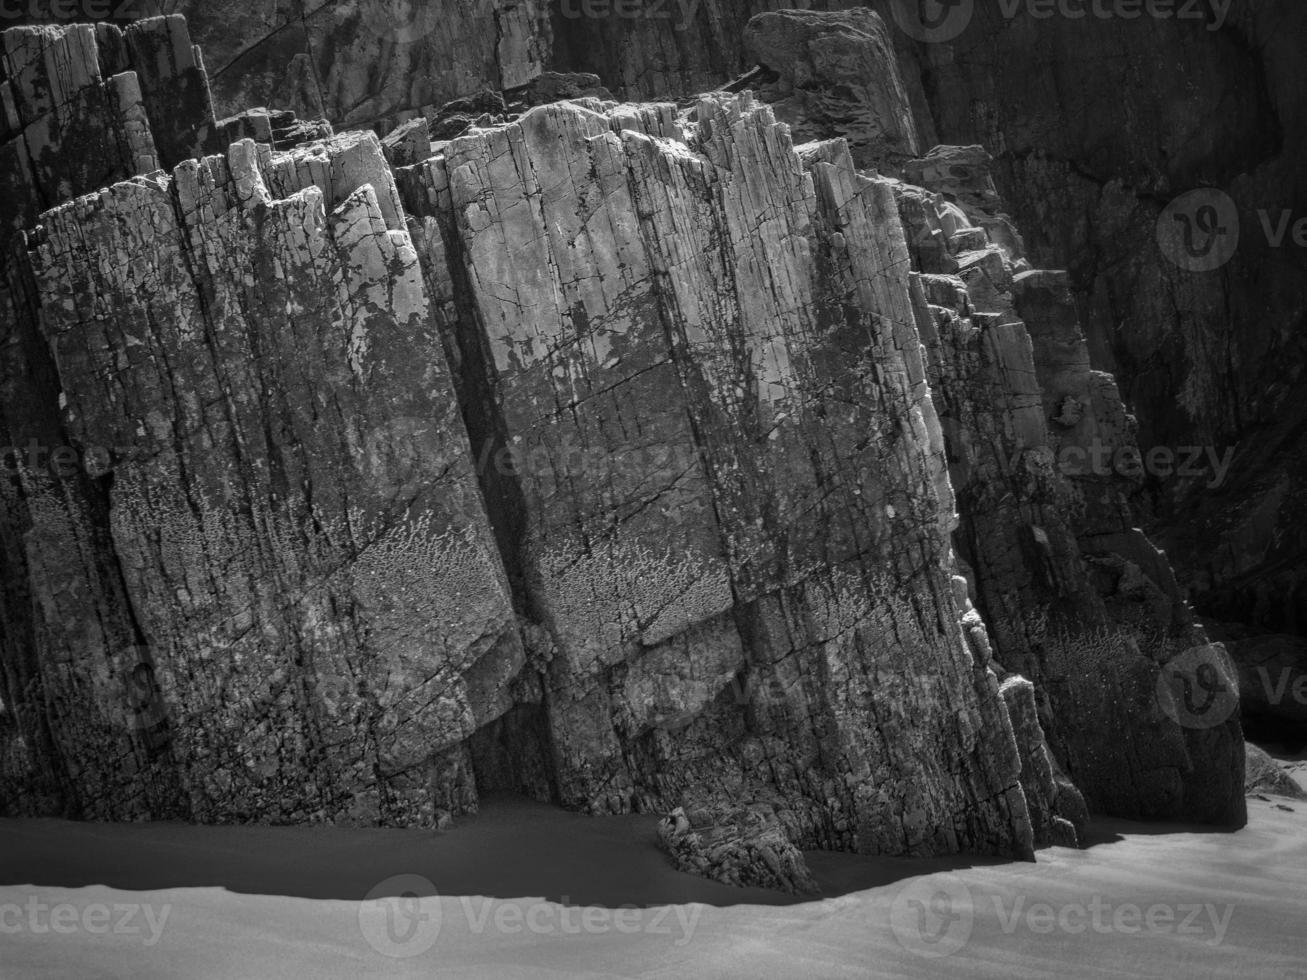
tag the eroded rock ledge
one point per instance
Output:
(601, 454)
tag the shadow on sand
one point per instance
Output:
(513, 848)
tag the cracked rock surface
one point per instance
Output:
(630, 456)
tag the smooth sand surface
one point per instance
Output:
(524, 890)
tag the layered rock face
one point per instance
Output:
(1113, 135)
(1101, 126)
(78, 106)
(1101, 181)
(359, 62)
(1055, 566)
(726, 456)
(266, 577)
(295, 512)
(607, 453)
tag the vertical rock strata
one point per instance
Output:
(295, 511)
(608, 454)
(77, 114)
(729, 473)
(1078, 599)
(1208, 358)
(1110, 134)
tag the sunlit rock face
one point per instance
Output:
(730, 505)
(628, 456)
(1082, 191)
(295, 513)
(1101, 126)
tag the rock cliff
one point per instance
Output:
(631, 456)
(1104, 128)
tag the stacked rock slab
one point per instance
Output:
(83, 106)
(78, 107)
(727, 488)
(1207, 353)
(290, 497)
(295, 512)
(369, 62)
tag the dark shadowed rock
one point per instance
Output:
(1272, 682)
(836, 75)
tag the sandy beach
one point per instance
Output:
(525, 890)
